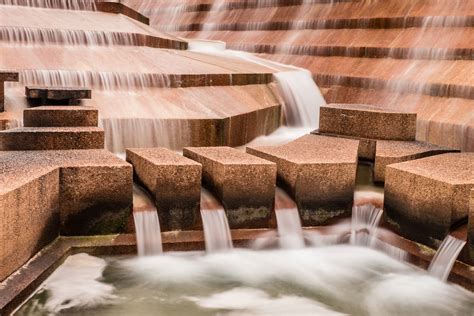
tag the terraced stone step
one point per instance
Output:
(52, 138)
(390, 152)
(174, 181)
(5, 76)
(425, 198)
(353, 14)
(365, 121)
(416, 43)
(60, 116)
(443, 78)
(447, 122)
(47, 193)
(53, 95)
(319, 172)
(245, 184)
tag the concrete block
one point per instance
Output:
(60, 116)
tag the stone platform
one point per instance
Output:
(47, 193)
(174, 181)
(52, 138)
(389, 152)
(425, 198)
(60, 116)
(319, 172)
(245, 184)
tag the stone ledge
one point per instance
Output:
(52, 138)
(243, 183)
(319, 172)
(366, 121)
(53, 192)
(389, 152)
(425, 198)
(120, 8)
(175, 183)
(60, 116)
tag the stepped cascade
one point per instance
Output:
(257, 157)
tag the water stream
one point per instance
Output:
(290, 231)
(445, 257)
(147, 223)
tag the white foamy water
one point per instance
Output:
(147, 224)
(290, 231)
(334, 280)
(214, 220)
(445, 257)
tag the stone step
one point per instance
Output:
(5, 76)
(425, 198)
(442, 78)
(416, 43)
(364, 121)
(174, 181)
(53, 95)
(60, 116)
(353, 14)
(319, 172)
(44, 194)
(52, 138)
(436, 122)
(245, 184)
(389, 152)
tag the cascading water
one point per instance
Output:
(216, 227)
(290, 231)
(365, 221)
(147, 224)
(445, 257)
(89, 5)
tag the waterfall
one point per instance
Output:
(290, 231)
(89, 5)
(147, 224)
(216, 227)
(364, 223)
(444, 259)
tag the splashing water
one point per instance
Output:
(290, 231)
(364, 223)
(445, 257)
(147, 224)
(216, 227)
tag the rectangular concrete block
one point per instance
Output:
(367, 122)
(424, 198)
(60, 116)
(319, 172)
(29, 219)
(52, 138)
(366, 149)
(175, 183)
(57, 93)
(243, 183)
(389, 152)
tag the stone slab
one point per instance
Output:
(52, 138)
(245, 184)
(60, 116)
(6, 76)
(389, 152)
(47, 193)
(319, 172)
(67, 95)
(367, 121)
(366, 149)
(425, 198)
(175, 183)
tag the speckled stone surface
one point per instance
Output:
(470, 229)
(175, 182)
(60, 116)
(425, 197)
(367, 121)
(44, 193)
(57, 93)
(366, 146)
(319, 172)
(389, 152)
(245, 184)
(52, 138)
